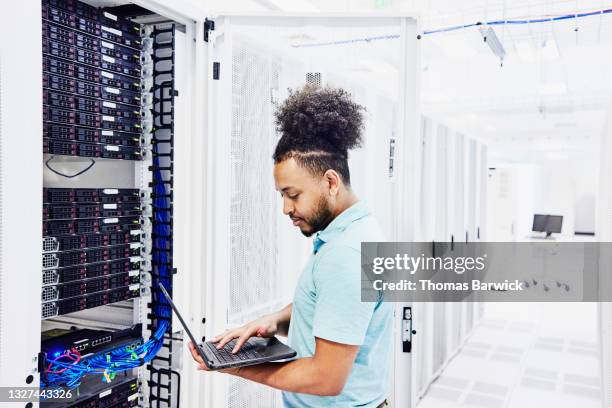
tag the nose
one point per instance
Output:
(287, 206)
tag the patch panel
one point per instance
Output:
(71, 274)
(87, 341)
(79, 210)
(90, 195)
(88, 225)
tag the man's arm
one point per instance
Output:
(283, 317)
(323, 374)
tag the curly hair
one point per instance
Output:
(318, 126)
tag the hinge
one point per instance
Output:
(209, 25)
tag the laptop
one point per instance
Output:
(256, 350)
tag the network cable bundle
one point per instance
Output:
(102, 100)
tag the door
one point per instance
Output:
(254, 60)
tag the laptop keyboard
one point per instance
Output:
(225, 354)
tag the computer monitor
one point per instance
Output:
(550, 224)
(553, 224)
(539, 223)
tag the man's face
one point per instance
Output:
(305, 197)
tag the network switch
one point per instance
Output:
(56, 342)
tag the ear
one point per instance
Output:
(333, 181)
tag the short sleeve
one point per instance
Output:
(340, 315)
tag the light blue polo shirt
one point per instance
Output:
(327, 304)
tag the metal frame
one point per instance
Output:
(405, 207)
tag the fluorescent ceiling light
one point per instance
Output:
(489, 36)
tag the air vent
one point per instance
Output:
(314, 78)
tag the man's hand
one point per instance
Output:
(201, 366)
(266, 326)
(197, 358)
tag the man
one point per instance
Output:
(344, 345)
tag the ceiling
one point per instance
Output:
(549, 98)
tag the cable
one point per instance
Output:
(522, 21)
(460, 27)
(68, 175)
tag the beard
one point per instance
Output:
(320, 219)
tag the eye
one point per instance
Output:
(293, 197)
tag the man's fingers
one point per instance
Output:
(243, 338)
(227, 337)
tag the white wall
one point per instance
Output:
(566, 187)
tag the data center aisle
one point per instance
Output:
(525, 356)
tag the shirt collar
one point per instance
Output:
(339, 224)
